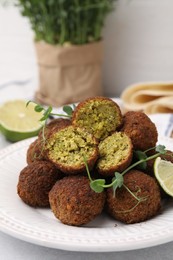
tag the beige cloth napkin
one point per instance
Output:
(150, 97)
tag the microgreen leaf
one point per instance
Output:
(97, 185)
(74, 106)
(68, 110)
(28, 103)
(38, 108)
(140, 155)
(117, 182)
(161, 149)
(46, 114)
(119, 179)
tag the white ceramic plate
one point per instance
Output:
(39, 226)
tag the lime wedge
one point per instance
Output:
(163, 171)
(18, 122)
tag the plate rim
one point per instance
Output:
(167, 237)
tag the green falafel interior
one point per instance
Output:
(67, 147)
(100, 116)
(115, 153)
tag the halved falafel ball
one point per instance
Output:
(35, 151)
(140, 129)
(35, 182)
(53, 126)
(73, 202)
(125, 207)
(68, 147)
(115, 154)
(100, 116)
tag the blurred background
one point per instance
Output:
(138, 46)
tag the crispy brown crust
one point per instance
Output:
(100, 98)
(35, 152)
(35, 182)
(140, 129)
(92, 100)
(73, 202)
(124, 206)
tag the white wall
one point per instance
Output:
(138, 39)
(138, 44)
(17, 56)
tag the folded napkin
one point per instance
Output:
(150, 97)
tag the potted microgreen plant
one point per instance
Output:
(68, 41)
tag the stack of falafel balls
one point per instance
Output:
(56, 177)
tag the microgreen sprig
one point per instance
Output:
(48, 111)
(96, 185)
(99, 185)
(137, 198)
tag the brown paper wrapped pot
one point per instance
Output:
(68, 74)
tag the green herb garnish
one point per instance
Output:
(49, 114)
(48, 111)
(99, 185)
(68, 110)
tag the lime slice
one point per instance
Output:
(18, 122)
(163, 171)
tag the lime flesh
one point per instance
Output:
(18, 122)
(163, 171)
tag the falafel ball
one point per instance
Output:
(35, 151)
(101, 116)
(140, 129)
(125, 207)
(115, 154)
(35, 182)
(68, 147)
(73, 202)
(53, 126)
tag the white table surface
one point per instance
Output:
(17, 63)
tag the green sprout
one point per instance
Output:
(138, 199)
(48, 111)
(99, 185)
